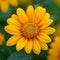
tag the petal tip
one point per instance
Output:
(5, 28)
(30, 6)
(54, 30)
(7, 44)
(17, 48)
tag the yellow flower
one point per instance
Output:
(30, 30)
(1, 38)
(57, 33)
(57, 2)
(25, 1)
(54, 52)
(4, 4)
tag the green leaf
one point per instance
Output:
(19, 56)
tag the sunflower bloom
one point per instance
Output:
(1, 39)
(30, 30)
(4, 4)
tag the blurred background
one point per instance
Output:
(9, 53)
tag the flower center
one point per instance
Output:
(29, 31)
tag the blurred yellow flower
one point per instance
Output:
(1, 38)
(30, 30)
(57, 1)
(54, 52)
(57, 33)
(25, 1)
(4, 4)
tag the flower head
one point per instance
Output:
(1, 38)
(4, 4)
(30, 29)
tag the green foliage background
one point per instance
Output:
(9, 53)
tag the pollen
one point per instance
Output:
(29, 31)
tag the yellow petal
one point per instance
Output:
(4, 5)
(52, 57)
(14, 16)
(44, 38)
(39, 13)
(57, 39)
(44, 19)
(49, 30)
(1, 42)
(21, 15)
(13, 2)
(13, 22)
(28, 46)
(12, 29)
(43, 46)
(30, 13)
(2, 37)
(13, 40)
(46, 24)
(21, 44)
(36, 47)
(53, 45)
(53, 51)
